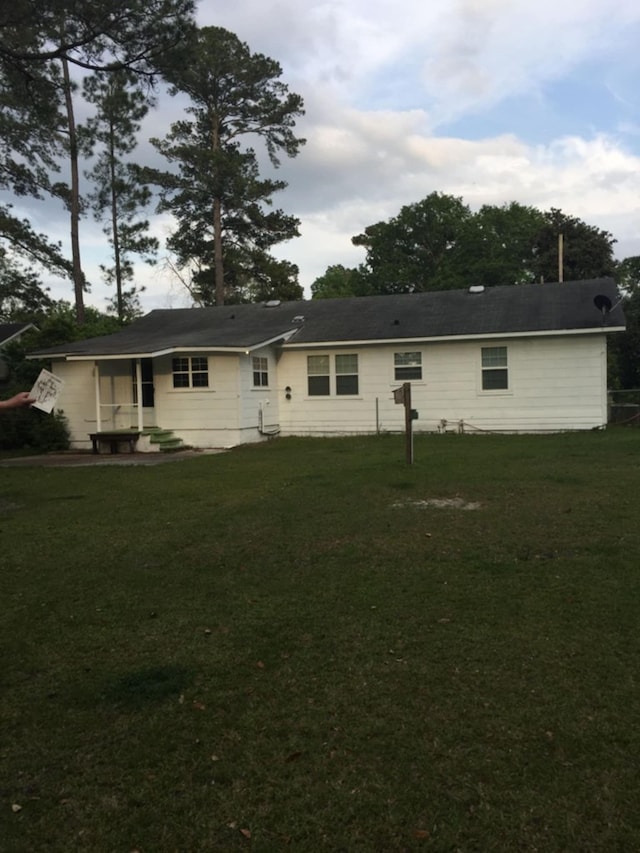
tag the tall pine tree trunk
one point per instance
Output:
(114, 224)
(217, 250)
(217, 220)
(74, 201)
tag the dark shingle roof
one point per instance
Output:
(529, 308)
(13, 330)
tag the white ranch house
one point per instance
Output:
(523, 358)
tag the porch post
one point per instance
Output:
(96, 379)
(139, 390)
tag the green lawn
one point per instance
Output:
(287, 647)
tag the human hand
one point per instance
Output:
(18, 401)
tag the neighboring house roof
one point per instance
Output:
(517, 309)
(9, 331)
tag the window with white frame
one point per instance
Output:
(495, 371)
(260, 372)
(407, 365)
(339, 374)
(318, 379)
(190, 372)
(347, 374)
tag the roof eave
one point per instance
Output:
(17, 334)
(241, 349)
(437, 338)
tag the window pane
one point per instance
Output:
(200, 380)
(146, 369)
(318, 386)
(493, 380)
(180, 365)
(260, 372)
(346, 384)
(180, 380)
(494, 356)
(199, 364)
(408, 365)
(317, 365)
(406, 359)
(346, 364)
(407, 373)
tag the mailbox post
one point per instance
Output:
(402, 396)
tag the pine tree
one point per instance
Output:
(118, 196)
(215, 191)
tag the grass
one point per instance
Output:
(281, 648)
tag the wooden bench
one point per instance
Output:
(113, 438)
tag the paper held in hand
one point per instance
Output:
(46, 390)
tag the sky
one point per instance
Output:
(490, 100)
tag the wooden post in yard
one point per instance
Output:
(403, 395)
(408, 422)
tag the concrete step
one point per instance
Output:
(164, 439)
(172, 444)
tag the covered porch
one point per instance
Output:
(124, 394)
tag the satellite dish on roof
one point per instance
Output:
(602, 303)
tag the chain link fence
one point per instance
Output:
(624, 407)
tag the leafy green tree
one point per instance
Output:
(439, 244)
(118, 196)
(587, 251)
(627, 274)
(339, 281)
(22, 296)
(624, 349)
(215, 191)
(58, 325)
(263, 279)
(496, 246)
(413, 251)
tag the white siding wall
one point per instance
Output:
(224, 414)
(555, 383)
(256, 398)
(201, 417)
(77, 399)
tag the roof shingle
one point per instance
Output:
(524, 309)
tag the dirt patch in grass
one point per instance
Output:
(438, 503)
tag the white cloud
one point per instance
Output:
(464, 54)
(361, 172)
(361, 182)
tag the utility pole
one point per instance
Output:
(560, 257)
